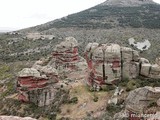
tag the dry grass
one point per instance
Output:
(85, 102)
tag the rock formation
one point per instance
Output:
(37, 86)
(66, 54)
(149, 70)
(140, 98)
(139, 101)
(108, 63)
(41, 83)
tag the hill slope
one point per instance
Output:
(112, 21)
(111, 14)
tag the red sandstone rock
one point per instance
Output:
(108, 63)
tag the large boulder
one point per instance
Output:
(41, 84)
(68, 44)
(139, 99)
(109, 63)
(29, 72)
(150, 70)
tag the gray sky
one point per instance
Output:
(17, 14)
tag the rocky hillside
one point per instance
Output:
(110, 14)
(114, 21)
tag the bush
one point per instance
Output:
(149, 82)
(112, 108)
(108, 87)
(73, 100)
(95, 99)
(124, 82)
(152, 104)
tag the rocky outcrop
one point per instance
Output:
(149, 70)
(41, 83)
(65, 54)
(140, 99)
(66, 59)
(36, 86)
(105, 63)
(141, 104)
(108, 63)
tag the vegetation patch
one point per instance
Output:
(5, 72)
(139, 82)
(112, 108)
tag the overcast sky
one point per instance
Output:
(17, 14)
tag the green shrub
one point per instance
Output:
(108, 87)
(73, 100)
(132, 84)
(112, 108)
(152, 104)
(95, 99)
(124, 82)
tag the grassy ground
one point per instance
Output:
(85, 103)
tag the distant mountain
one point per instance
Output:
(114, 21)
(111, 14)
